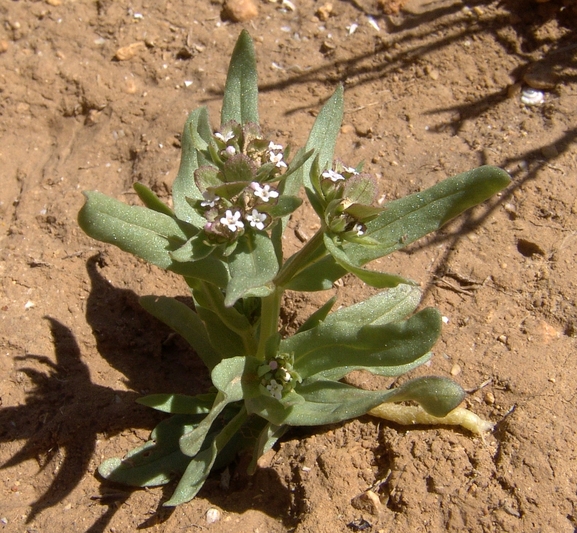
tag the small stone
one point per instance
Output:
(549, 151)
(540, 76)
(456, 370)
(128, 52)
(367, 501)
(3, 46)
(240, 10)
(325, 11)
(213, 515)
(489, 398)
(54, 2)
(347, 128)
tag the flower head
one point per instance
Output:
(256, 219)
(332, 175)
(275, 389)
(232, 220)
(226, 137)
(210, 199)
(264, 192)
(277, 160)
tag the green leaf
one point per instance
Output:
(179, 403)
(318, 316)
(150, 200)
(239, 168)
(324, 133)
(361, 189)
(185, 322)
(373, 278)
(143, 232)
(405, 220)
(194, 476)
(156, 462)
(266, 440)
(240, 101)
(227, 378)
(334, 349)
(192, 250)
(196, 136)
(436, 395)
(284, 206)
(252, 265)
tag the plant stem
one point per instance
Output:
(269, 315)
(300, 260)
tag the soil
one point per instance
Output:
(432, 88)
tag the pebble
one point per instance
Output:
(3, 46)
(550, 151)
(325, 11)
(240, 10)
(213, 515)
(456, 370)
(128, 52)
(531, 97)
(489, 398)
(368, 501)
(540, 76)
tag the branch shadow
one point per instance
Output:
(66, 412)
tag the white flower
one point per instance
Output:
(232, 220)
(350, 170)
(256, 219)
(275, 389)
(264, 193)
(286, 376)
(210, 199)
(230, 150)
(277, 160)
(272, 146)
(359, 229)
(332, 175)
(226, 137)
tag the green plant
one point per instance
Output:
(232, 197)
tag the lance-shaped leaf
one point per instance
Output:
(186, 323)
(318, 316)
(150, 200)
(361, 189)
(156, 462)
(266, 440)
(227, 378)
(143, 232)
(373, 278)
(240, 100)
(333, 350)
(405, 220)
(284, 206)
(196, 137)
(252, 265)
(179, 403)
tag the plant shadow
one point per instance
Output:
(66, 412)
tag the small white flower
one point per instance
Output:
(286, 376)
(277, 160)
(210, 199)
(332, 175)
(256, 219)
(272, 146)
(273, 365)
(275, 389)
(350, 170)
(359, 229)
(230, 151)
(226, 137)
(232, 220)
(264, 193)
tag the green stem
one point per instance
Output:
(300, 260)
(269, 315)
(231, 428)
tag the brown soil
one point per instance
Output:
(432, 92)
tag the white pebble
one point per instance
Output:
(212, 515)
(530, 96)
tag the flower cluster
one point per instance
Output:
(239, 188)
(278, 376)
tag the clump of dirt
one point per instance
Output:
(94, 96)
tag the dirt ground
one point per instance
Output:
(432, 88)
